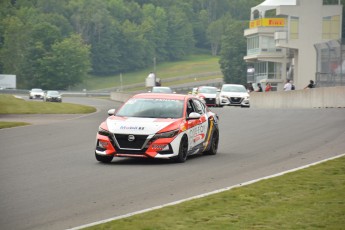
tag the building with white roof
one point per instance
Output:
(281, 38)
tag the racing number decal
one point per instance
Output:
(197, 132)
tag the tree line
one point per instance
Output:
(56, 44)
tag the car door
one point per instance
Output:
(197, 128)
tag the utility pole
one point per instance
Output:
(121, 82)
(154, 64)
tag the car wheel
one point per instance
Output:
(104, 159)
(214, 144)
(183, 150)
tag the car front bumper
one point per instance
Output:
(234, 101)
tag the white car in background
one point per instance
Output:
(36, 94)
(233, 95)
(161, 89)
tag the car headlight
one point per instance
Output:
(103, 132)
(169, 134)
(223, 96)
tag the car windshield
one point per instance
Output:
(154, 108)
(161, 90)
(53, 93)
(210, 90)
(234, 88)
(36, 90)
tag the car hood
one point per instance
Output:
(208, 95)
(235, 94)
(137, 125)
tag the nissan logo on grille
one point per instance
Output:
(131, 137)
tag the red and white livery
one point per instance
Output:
(166, 126)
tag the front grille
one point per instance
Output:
(134, 152)
(137, 143)
(236, 100)
(210, 100)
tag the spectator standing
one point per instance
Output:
(288, 85)
(250, 87)
(268, 87)
(259, 88)
(292, 86)
(310, 85)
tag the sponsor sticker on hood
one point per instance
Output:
(143, 126)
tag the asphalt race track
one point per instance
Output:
(49, 178)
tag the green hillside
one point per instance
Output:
(195, 64)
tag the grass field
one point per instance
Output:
(12, 105)
(312, 198)
(192, 65)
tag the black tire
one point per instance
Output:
(214, 144)
(104, 159)
(183, 150)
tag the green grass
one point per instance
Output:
(10, 124)
(311, 198)
(192, 65)
(12, 105)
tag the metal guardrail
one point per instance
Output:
(142, 84)
(181, 88)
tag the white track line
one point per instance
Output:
(202, 195)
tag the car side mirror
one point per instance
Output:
(193, 116)
(111, 112)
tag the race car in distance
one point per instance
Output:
(208, 94)
(36, 93)
(161, 89)
(154, 125)
(52, 95)
(233, 95)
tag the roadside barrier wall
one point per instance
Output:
(324, 97)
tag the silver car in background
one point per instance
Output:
(52, 96)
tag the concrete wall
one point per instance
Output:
(325, 97)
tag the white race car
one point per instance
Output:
(233, 95)
(36, 93)
(165, 126)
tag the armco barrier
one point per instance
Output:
(324, 97)
(121, 97)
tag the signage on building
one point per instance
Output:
(262, 22)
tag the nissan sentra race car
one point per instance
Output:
(164, 126)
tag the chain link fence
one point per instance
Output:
(330, 63)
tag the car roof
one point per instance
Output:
(164, 87)
(163, 96)
(206, 86)
(234, 84)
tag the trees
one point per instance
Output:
(65, 65)
(214, 35)
(120, 35)
(234, 47)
